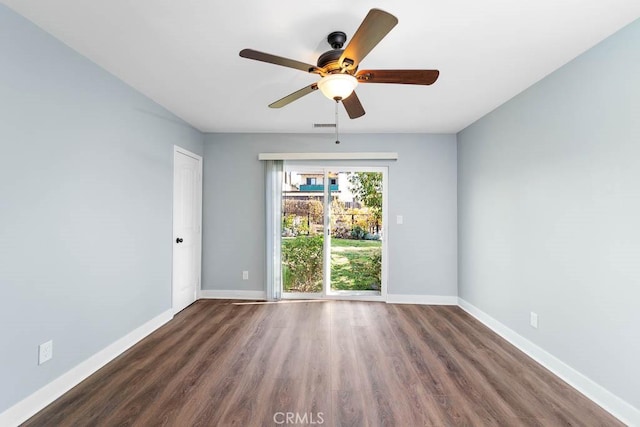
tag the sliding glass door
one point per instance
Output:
(303, 233)
(333, 240)
(355, 247)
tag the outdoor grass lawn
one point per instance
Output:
(352, 264)
(348, 243)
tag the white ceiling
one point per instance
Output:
(184, 54)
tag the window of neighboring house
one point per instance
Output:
(333, 181)
(311, 181)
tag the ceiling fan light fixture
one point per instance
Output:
(337, 86)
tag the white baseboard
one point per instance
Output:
(232, 294)
(422, 299)
(29, 406)
(594, 391)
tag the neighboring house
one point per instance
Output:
(310, 186)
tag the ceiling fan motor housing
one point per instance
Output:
(329, 59)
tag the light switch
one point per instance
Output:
(399, 219)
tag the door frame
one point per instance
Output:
(326, 286)
(179, 150)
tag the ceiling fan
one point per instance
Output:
(338, 67)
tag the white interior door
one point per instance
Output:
(187, 230)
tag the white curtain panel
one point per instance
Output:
(273, 197)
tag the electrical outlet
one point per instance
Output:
(245, 275)
(399, 219)
(45, 352)
(534, 320)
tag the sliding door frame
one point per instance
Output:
(326, 293)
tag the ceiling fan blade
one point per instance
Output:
(375, 26)
(353, 106)
(294, 96)
(279, 60)
(407, 77)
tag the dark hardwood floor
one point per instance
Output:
(336, 363)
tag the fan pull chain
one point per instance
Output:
(337, 131)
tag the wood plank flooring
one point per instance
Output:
(336, 363)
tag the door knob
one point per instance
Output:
(179, 240)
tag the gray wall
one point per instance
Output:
(85, 206)
(422, 188)
(549, 204)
